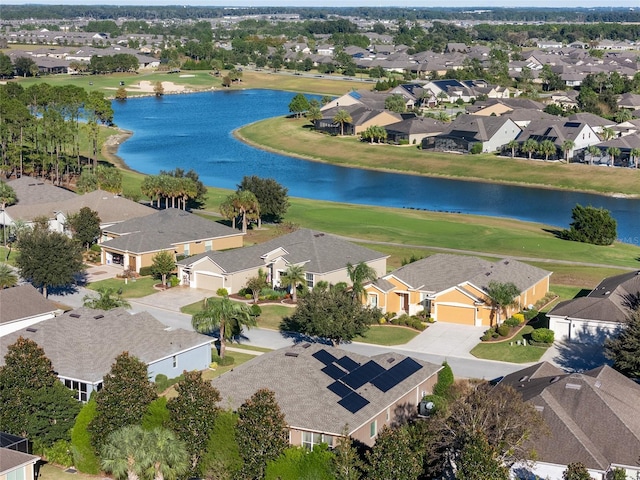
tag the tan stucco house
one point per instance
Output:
(321, 389)
(323, 257)
(452, 288)
(134, 243)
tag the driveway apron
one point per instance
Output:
(448, 339)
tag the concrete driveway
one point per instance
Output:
(173, 298)
(447, 339)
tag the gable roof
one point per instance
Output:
(610, 301)
(319, 252)
(415, 125)
(442, 271)
(32, 191)
(592, 416)
(473, 127)
(82, 344)
(301, 377)
(11, 460)
(164, 229)
(22, 302)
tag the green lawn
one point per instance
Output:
(387, 335)
(271, 315)
(505, 352)
(140, 288)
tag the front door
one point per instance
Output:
(132, 263)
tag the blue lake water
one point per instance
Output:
(195, 131)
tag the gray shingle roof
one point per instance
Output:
(84, 347)
(441, 271)
(610, 301)
(22, 302)
(319, 252)
(12, 459)
(31, 191)
(161, 230)
(473, 126)
(592, 416)
(301, 387)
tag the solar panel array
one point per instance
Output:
(349, 375)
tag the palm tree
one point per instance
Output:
(529, 146)
(613, 152)
(293, 276)
(342, 117)
(607, 134)
(122, 454)
(567, 146)
(546, 148)
(170, 458)
(635, 155)
(247, 206)
(513, 145)
(108, 298)
(623, 115)
(359, 275)
(314, 114)
(592, 150)
(500, 296)
(225, 315)
(8, 277)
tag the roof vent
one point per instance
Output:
(306, 345)
(524, 379)
(598, 384)
(573, 386)
(319, 235)
(290, 354)
(32, 330)
(391, 360)
(555, 379)
(74, 315)
(539, 408)
(98, 317)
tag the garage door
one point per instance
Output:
(208, 282)
(455, 314)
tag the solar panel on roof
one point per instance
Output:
(339, 389)
(355, 95)
(325, 357)
(333, 371)
(353, 402)
(362, 375)
(397, 374)
(348, 364)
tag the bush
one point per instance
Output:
(445, 380)
(223, 362)
(162, 382)
(146, 271)
(243, 292)
(95, 248)
(530, 314)
(256, 311)
(519, 317)
(222, 292)
(248, 296)
(488, 335)
(542, 335)
(439, 403)
(476, 149)
(84, 456)
(514, 321)
(173, 281)
(59, 453)
(503, 330)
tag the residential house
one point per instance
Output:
(451, 90)
(414, 129)
(135, 242)
(16, 465)
(467, 130)
(626, 144)
(600, 313)
(496, 106)
(558, 132)
(82, 345)
(362, 117)
(629, 100)
(38, 199)
(364, 98)
(23, 306)
(596, 122)
(323, 257)
(321, 390)
(592, 419)
(453, 288)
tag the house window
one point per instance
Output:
(16, 474)
(175, 361)
(186, 249)
(373, 429)
(373, 300)
(208, 245)
(310, 439)
(80, 389)
(309, 277)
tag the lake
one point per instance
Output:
(195, 131)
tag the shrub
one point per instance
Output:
(84, 456)
(542, 335)
(403, 141)
(59, 453)
(243, 292)
(248, 296)
(488, 335)
(157, 414)
(476, 149)
(503, 330)
(162, 382)
(530, 314)
(439, 403)
(514, 321)
(445, 380)
(173, 281)
(223, 362)
(222, 292)
(146, 271)
(519, 317)
(95, 248)
(255, 310)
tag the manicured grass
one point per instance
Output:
(272, 316)
(53, 472)
(140, 288)
(12, 256)
(251, 348)
(505, 352)
(387, 335)
(302, 141)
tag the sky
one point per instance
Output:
(348, 3)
